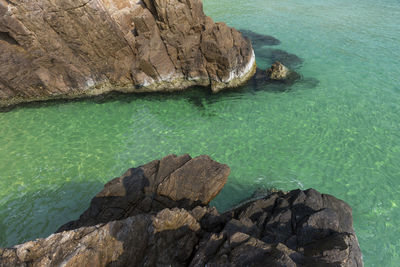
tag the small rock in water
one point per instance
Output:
(278, 72)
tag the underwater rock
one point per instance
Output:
(279, 72)
(69, 49)
(134, 222)
(276, 79)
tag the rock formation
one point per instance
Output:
(278, 72)
(157, 215)
(66, 49)
(171, 182)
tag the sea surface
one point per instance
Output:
(336, 130)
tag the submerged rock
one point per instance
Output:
(274, 80)
(157, 215)
(67, 49)
(278, 72)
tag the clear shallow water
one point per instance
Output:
(337, 131)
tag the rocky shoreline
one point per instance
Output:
(158, 215)
(73, 49)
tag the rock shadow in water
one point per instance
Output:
(259, 82)
(199, 97)
(270, 55)
(39, 213)
(197, 100)
(309, 82)
(259, 40)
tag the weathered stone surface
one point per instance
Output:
(64, 48)
(278, 72)
(167, 183)
(124, 227)
(195, 181)
(303, 227)
(141, 240)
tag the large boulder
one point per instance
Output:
(74, 48)
(306, 227)
(167, 183)
(130, 224)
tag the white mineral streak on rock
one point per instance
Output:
(100, 46)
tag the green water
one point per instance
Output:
(338, 130)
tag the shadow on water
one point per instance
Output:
(39, 213)
(260, 40)
(260, 83)
(236, 192)
(270, 55)
(260, 44)
(199, 97)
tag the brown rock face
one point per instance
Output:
(193, 176)
(64, 48)
(167, 183)
(278, 72)
(135, 241)
(129, 224)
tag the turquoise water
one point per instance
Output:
(338, 130)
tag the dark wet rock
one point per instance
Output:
(74, 48)
(243, 225)
(130, 224)
(290, 228)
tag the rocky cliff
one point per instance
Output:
(72, 48)
(157, 215)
